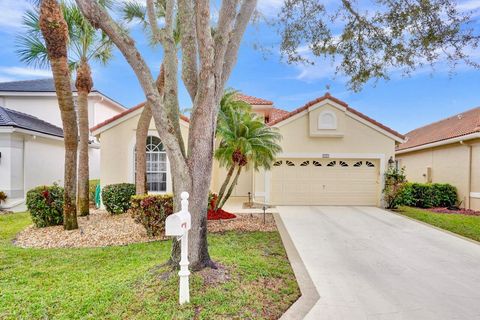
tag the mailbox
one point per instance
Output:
(178, 223)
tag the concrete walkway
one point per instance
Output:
(367, 263)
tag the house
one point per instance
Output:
(332, 155)
(31, 138)
(446, 151)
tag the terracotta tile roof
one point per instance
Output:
(340, 102)
(455, 126)
(275, 114)
(124, 113)
(253, 100)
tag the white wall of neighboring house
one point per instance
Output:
(29, 159)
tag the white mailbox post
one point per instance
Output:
(177, 225)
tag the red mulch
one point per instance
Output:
(220, 214)
(468, 212)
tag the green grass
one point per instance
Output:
(129, 282)
(467, 226)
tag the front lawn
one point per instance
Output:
(467, 226)
(126, 282)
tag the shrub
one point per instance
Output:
(116, 197)
(427, 195)
(151, 211)
(3, 197)
(395, 181)
(92, 186)
(45, 204)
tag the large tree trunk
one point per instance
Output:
(84, 84)
(140, 147)
(55, 32)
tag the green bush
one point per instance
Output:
(151, 211)
(428, 195)
(45, 204)
(92, 186)
(116, 197)
(395, 181)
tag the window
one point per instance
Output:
(317, 163)
(304, 163)
(327, 120)
(358, 164)
(343, 164)
(369, 164)
(332, 164)
(156, 165)
(290, 163)
(277, 163)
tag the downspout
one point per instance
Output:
(469, 174)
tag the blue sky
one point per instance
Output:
(401, 103)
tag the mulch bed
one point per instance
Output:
(219, 214)
(467, 212)
(101, 229)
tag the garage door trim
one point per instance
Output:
(376, 156)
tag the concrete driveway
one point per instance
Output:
(367, 263)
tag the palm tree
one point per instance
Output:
(55, 32)
(85, 45)
(245, 141)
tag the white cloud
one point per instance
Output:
(469, 5)
(11, 14)
(21, 73)
(269, 8)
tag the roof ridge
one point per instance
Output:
(445, 119)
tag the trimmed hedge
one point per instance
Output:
(116, 197)
(428, 195)
(45, 204)
(151, 211)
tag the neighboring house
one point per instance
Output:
(31, 138)
(446, 151)
(332, 155)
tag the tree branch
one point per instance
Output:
(188, 41)
(152, 20)
(99, 18)
(241, 22)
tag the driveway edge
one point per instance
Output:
(300, 308)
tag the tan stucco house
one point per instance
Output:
(332, 155)
(446, 151)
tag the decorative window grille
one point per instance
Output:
(290, 163)
(278, 163)
(305, 163)
(332, 164)
(358, 164)
(343, 164)
(156, 165)
(317, 163)
(369, 164)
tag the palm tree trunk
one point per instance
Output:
(221, 192)
(55, 32)
(84, 84)
(230, 190)
(140, 147)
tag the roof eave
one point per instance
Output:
(469, 136)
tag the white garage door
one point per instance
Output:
(325, 182)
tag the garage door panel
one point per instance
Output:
(325, 182)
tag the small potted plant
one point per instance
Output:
(3, 198)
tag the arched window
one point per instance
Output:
(327, 120)
(156, 165)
